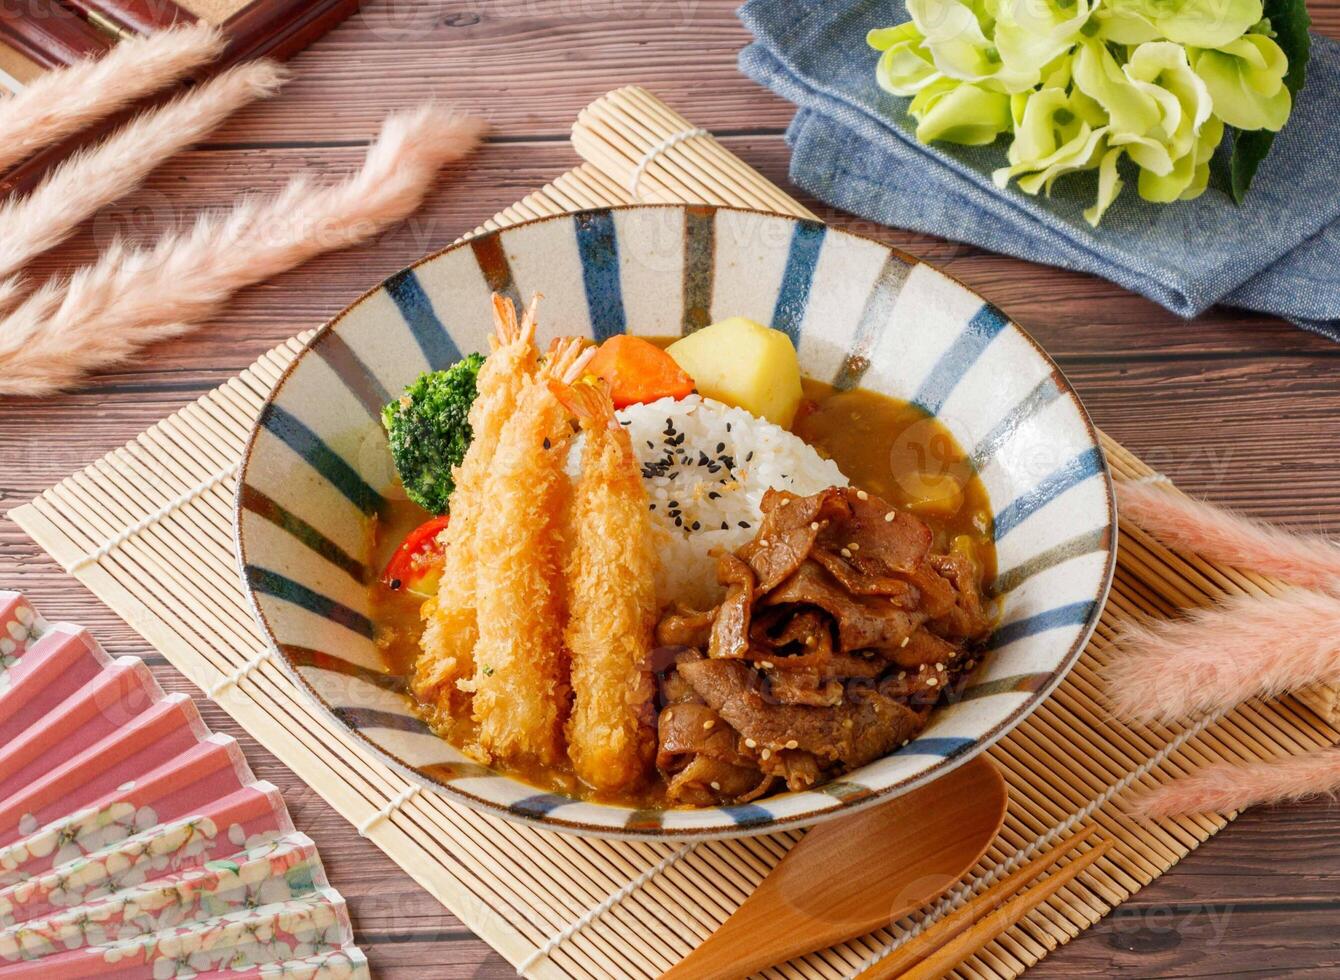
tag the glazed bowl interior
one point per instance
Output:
(318, 471)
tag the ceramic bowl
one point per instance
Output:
(317, 469)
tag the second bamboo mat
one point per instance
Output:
(148, 528)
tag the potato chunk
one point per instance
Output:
(931, 494)
(746, 364)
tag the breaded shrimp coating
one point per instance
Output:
(521, 683)
(609, 572)
(446, 662)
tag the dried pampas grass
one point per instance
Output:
(61, 103)
(132, 297)
(1224, 787)
(1247, 646)
(1178, 521)
(1215, 658)
(101, 174)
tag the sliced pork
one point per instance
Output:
(839, 632)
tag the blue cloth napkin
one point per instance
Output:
(853, 146)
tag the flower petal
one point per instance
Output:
(1245, 80)
(1030, 33)
(959, 112)
(905, 67)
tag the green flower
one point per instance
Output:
(1097, 74)
(1054, 142)
(1245, 78)
(1190, 174)
(959, 112)
(1153, 109)
(905, 65)
(1056, 130)
(1205, 23)
(1083, 84)
(1109, 186)
(1121, 22)
(1157, 108)
(956, 35)
(1162, 71)
(945, 108)
(1032, 33)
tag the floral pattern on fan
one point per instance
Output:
(340, 965)
(275, 871)
(126, 865)
(278, 933)
(78, 835)
(19, 627)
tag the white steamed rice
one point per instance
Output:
(706, 467)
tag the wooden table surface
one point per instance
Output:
(1241, 409)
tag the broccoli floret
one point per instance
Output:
(429, 429)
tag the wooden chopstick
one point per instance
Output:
(949, 928)
(992, 924)
(944, 945)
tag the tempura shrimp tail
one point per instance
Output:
(610, 577)
(589, 403)
(567, 358)
(506, 328)
(521, 680)
(528, 315)
(444, 670)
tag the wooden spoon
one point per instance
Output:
(852, 875)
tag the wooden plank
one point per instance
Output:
(1242, 407)
(261, 28)
(530, 66)
(1192, 940)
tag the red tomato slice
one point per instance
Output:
(416, 565)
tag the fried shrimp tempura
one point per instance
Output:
(521, 684)
(609, 572)
(445, 666)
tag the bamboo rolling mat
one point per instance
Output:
(148, 528)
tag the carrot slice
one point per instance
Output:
(638, 371)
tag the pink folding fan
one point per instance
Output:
(135, 843)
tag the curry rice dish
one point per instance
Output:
(677, 576)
